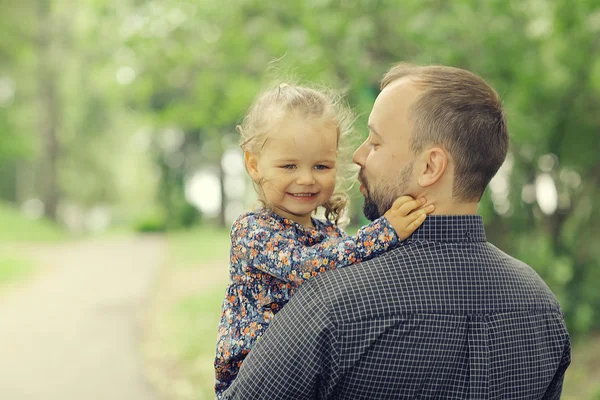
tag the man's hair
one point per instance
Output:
(460, 112)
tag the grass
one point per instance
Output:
(203, 244)
(186, 319)
(15, 227)
(582, 380)
(195, 320)
(13, 269)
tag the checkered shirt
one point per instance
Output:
(446, 316)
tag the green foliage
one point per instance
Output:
(151, 223)
(12, 146)
(150, 92)
(184, 217)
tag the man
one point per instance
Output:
(445, 316)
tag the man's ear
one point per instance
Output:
(435, 163)
(251, 162)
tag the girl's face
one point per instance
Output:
(296, 167)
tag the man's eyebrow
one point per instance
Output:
(373, 130)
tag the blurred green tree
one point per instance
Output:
(143, 94)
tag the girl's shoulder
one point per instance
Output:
(260, 218)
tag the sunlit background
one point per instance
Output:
(117, 139)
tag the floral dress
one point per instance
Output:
(270, 257)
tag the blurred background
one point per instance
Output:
(118, 142)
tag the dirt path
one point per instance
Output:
(72, 332)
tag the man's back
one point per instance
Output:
(447, 315)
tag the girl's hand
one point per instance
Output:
(406, 215)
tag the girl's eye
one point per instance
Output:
(289, 166)
(321, 167)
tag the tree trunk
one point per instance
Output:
(24, 182)
(222, 217)
(49, 109)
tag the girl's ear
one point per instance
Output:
(251, 161)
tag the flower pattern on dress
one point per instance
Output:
(270, 257)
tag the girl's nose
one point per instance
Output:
(305, 177)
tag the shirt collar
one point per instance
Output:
(450, 228)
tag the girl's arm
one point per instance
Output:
(261, 245)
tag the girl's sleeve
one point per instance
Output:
(259, 245)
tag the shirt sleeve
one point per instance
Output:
(554, 391)
(279, 253)
(296, 358)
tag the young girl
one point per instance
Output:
(290, 139)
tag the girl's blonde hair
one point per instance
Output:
(284, 100)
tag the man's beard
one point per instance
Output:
(379, 200)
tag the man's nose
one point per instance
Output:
(359, 155)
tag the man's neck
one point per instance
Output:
(455, 209)
(445, 206)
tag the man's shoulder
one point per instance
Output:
(525, 274)
(433, 279)
(349, 292)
